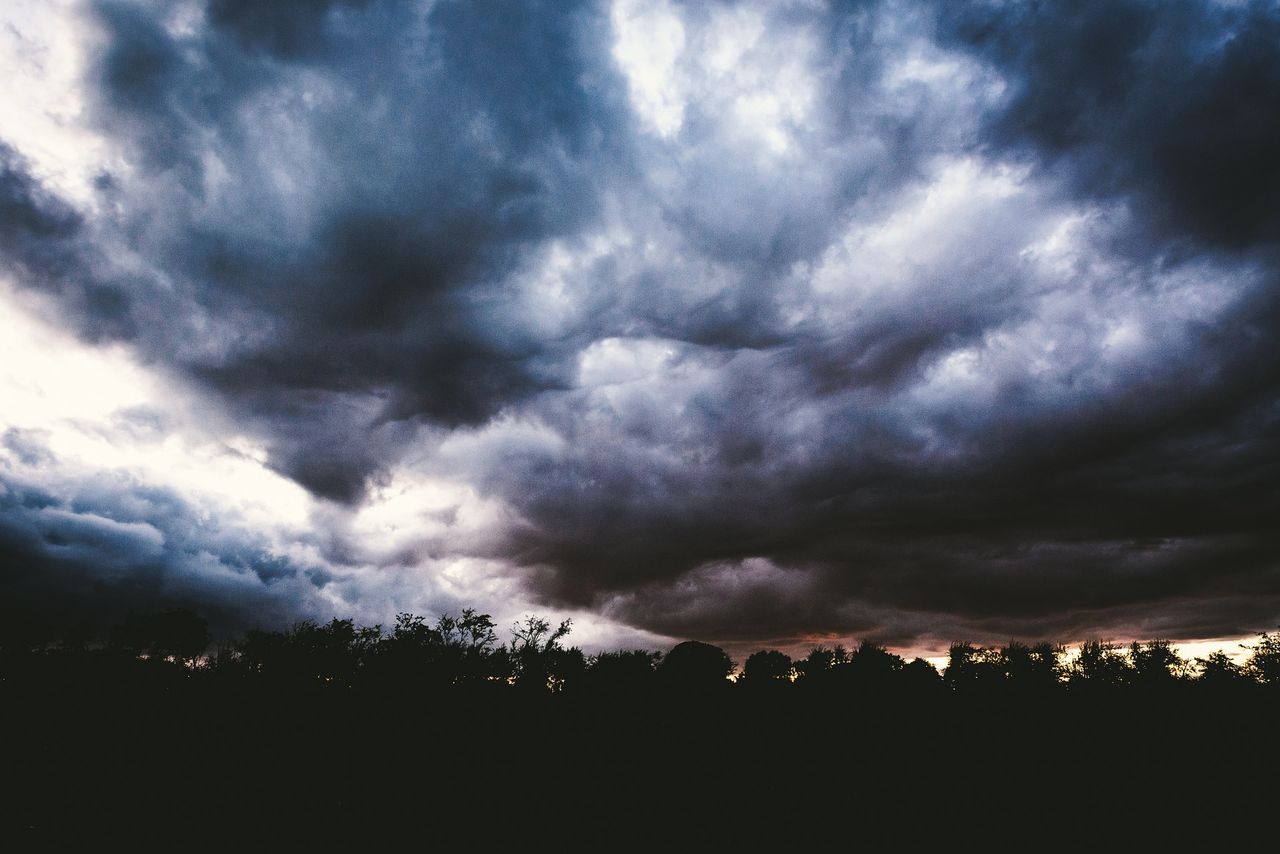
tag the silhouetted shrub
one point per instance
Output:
(628, 672)
(1264, 660)
(767, 667)
(695, 665)
(817, 669)
(1100, 665)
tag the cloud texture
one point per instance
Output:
(751, 322)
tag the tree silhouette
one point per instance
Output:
(1264, 660)
(471, 631)
(293, 727)
(624, 673)
(1033, 668)
(1155, 664)
(1219, 672)
(538, 659)
(696, 665)
(818, 668)
(920, 677)
(1099, 665)
(767, 667)
(413, 652)
(975, 668)
(872, 668)
(469, 651)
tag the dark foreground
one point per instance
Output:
(155, 756)
(436, 736)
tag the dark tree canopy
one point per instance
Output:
(767, 667)
(341, 729)
(694, 664)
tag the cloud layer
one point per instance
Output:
(751, 322)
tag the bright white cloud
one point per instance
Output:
(42, 46)
(650, 40)
(97, 408)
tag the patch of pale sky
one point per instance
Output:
(761, 90)
(75, 396)
(498, 438)
(949, 208)
(70, 392)
(1237, 649)
(619, 360)
(42, 54)
(649, 38)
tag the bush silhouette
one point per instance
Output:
(696, 665)
(767, 667)
(627, 672)
(1264, 660)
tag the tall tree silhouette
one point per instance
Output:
(538, 659)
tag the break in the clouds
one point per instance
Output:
(753, 322)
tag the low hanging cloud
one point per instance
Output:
(753, 322)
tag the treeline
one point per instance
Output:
(465, 650)
(335, 735)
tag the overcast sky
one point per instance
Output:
(754, 322)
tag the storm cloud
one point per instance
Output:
(753, 322)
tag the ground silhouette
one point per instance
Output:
(333, 734)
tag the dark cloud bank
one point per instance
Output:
(339, 217)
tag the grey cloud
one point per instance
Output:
(44, 242)
(35, 225)
(26, 445)
(380, 269)
(1163, 106)
(788, 393)
(964, 518)
(114, 547)
(26, 208)
(291, 28)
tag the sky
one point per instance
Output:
(760, 323)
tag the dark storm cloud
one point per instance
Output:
(374, 263)
(967, 330)
(1025, 515)
(288, 28)
(43, 242)
(113, 547)
(34, 224)
(1165, 106)
(1060, 518)
(28, 210)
